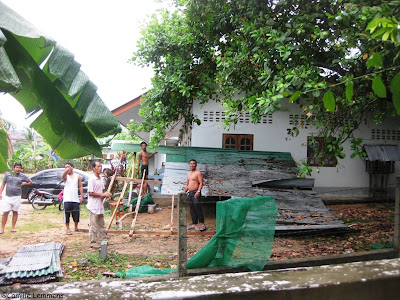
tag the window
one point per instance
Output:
(238, 141)
(317, 153)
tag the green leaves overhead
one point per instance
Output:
(249, 54)
(385, 28)
(71, 113)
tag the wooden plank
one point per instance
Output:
(182, 235)
(131, 183)
(144, 232)
(137, 205)
(110, 185)
(172, 213)
(134, 180)
(118, 202)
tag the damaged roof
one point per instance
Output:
(232, 173)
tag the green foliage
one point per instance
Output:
(336, 59)
(45, 78)
(306, 170)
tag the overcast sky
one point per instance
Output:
(102, 34)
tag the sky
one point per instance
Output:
(102, 34)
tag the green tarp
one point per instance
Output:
(244, 236)
(146, 200)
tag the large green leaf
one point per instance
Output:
(71, 111)
(375, 61)
(3, 150)
(379, 87)
(62, 121)
(395, 90)
(349, 90)
(329, 101)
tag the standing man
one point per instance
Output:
(71, 199)
(12, 198)
(194, 184)
(95, 205)
(144, 157)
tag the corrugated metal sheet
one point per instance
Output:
(34, 263)
(383, 152)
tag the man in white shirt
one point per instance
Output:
(70, 196)
(95, 205)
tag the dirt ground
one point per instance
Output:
(371, 228)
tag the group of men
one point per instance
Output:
(73, 196)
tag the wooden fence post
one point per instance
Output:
(182, 235)
(396, 239)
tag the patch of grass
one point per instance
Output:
(93, 266)
(353, 220)
(35, 227)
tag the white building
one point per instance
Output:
(347, 178)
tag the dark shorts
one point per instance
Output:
(71, 208)
(144, 167)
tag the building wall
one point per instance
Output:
(271, 135)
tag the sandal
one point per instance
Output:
(68, 232)
(202, 228)
(191, 227)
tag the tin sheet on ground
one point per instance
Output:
(33, 264)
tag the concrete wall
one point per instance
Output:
(349, 176)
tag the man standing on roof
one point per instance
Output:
(70, 196)
(12, 199)
(194, 184)
(144, 157)
(95, 205)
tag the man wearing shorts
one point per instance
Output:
(12, 181)
(70, 197)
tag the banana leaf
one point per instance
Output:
(44, 77)
(3, 150)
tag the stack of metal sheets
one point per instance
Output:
(34, 264)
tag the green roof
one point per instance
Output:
(252, 160)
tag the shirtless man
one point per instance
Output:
(144, 157)
(194, 184)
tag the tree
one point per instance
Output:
(339, 60)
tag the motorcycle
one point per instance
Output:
(42, 199)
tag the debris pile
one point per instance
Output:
(33, 264)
